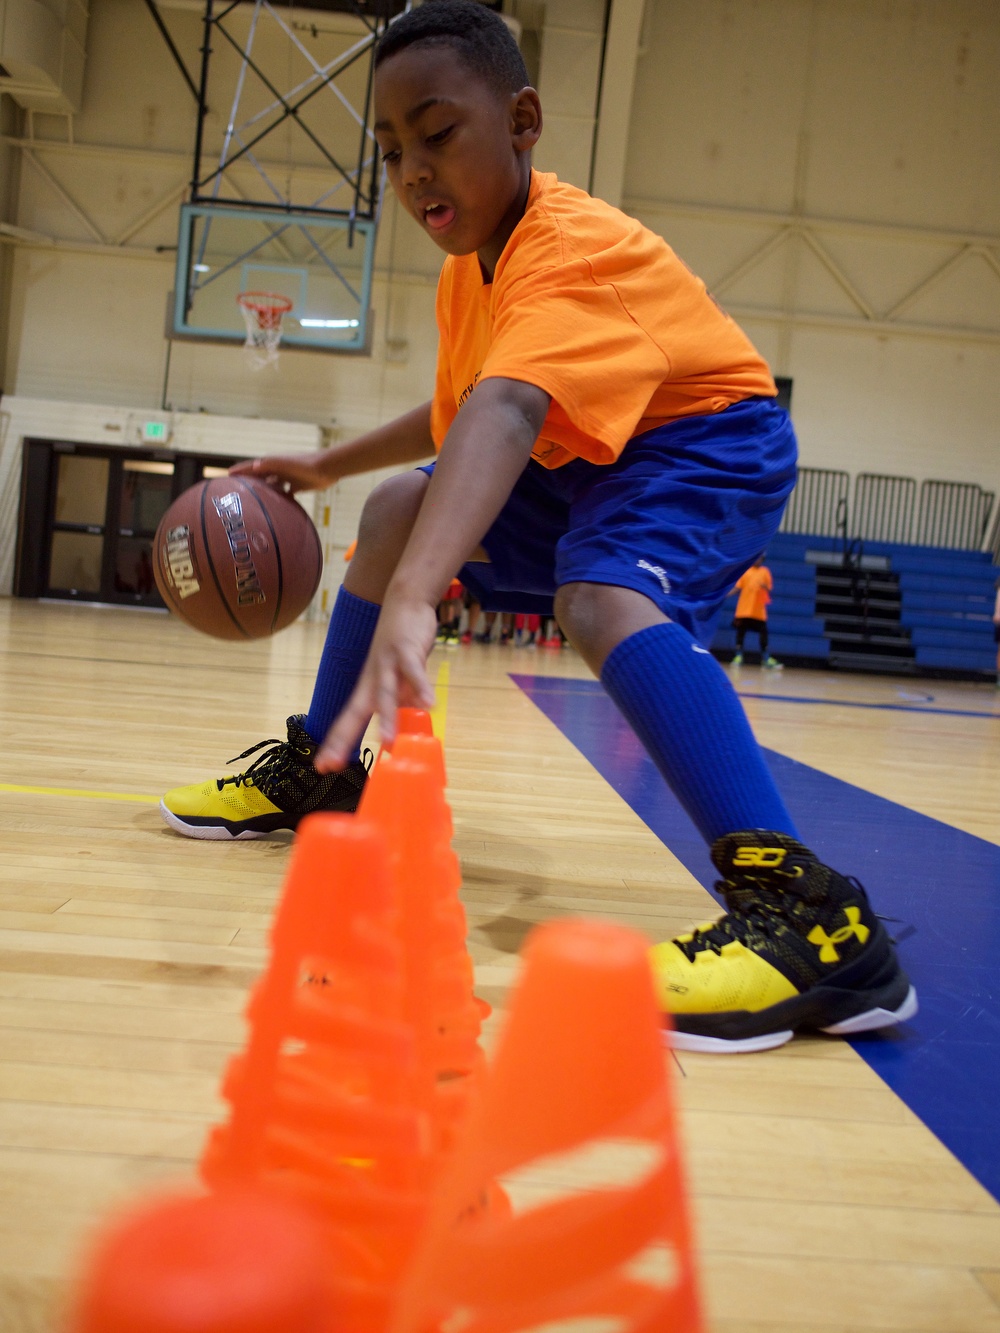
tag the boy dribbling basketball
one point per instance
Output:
(608, 436)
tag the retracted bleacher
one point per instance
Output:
(884, 606)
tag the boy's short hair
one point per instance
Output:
(479, 35)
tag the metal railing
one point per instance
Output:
(818, 505)
(993, 540)
(883, 508)
(954, 514)
(951, 514)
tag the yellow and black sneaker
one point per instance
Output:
(799, 948)
(278, 789)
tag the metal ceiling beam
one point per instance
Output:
(888, 231)
(172, 47)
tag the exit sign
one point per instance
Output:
(155, 432)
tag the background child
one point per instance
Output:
(526, 630)
(754, 588)
(449, 614)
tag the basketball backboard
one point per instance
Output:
(322, 264)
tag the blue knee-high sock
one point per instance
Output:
(348, 636)
(682, 707)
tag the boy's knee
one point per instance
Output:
(597, 617)
(392, 507)
(578, 611)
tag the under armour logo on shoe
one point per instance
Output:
(658, 570)
(827, 951)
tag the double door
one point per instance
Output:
(89, 515)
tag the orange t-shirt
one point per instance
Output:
(598, 311)
(755, 593)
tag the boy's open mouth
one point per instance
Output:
(438, 216)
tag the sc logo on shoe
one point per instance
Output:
(760, 858)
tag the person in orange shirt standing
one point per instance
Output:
(754, 588)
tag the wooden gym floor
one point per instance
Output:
(824, 1203)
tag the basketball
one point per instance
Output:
(237, 559)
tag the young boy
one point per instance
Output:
(754, 588)
(608, 435)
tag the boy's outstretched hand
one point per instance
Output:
(484, 453)
(407, 439)
(394, 676)
(291, 473)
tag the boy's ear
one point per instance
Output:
(526, 120)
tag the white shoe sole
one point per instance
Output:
(876, 1018)
(872, 1020)
(206, 832)
(694, 1041)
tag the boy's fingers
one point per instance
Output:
(415, 675)
(386, 703)
(343, 735)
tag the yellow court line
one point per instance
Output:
(79, 791)
(439, 713)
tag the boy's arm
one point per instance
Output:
(405, 440)
(486, 450)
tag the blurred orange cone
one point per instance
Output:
(578, 1093)
(364, 1031)
(240, 1262)
(329, 1102)
(413, 722)
(335, 920)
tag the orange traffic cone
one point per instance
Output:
(364, 1031)
(423, 748)
(413, 722)
(241, 1262)
(334, 921)
(405, 797)
(578, 1094)
(329, 1103)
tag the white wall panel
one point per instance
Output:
(897, 405)
(904, 112)
(718, 102)
(832, 169)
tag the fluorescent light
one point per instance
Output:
(329, 323)
(202, 268)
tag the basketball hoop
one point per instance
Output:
(262, 314)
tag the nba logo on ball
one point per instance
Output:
(237, 559)
(181, 571)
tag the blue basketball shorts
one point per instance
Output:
(679, 517)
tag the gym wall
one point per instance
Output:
(814, 160)
(853, 146)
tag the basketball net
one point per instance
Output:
(262, 314)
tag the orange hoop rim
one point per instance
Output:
(268, 307)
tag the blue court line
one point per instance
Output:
(853, 703)
(940, 888)
(564, 685)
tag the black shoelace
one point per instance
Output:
(266, 760)
(753, 908)
(276, 755)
